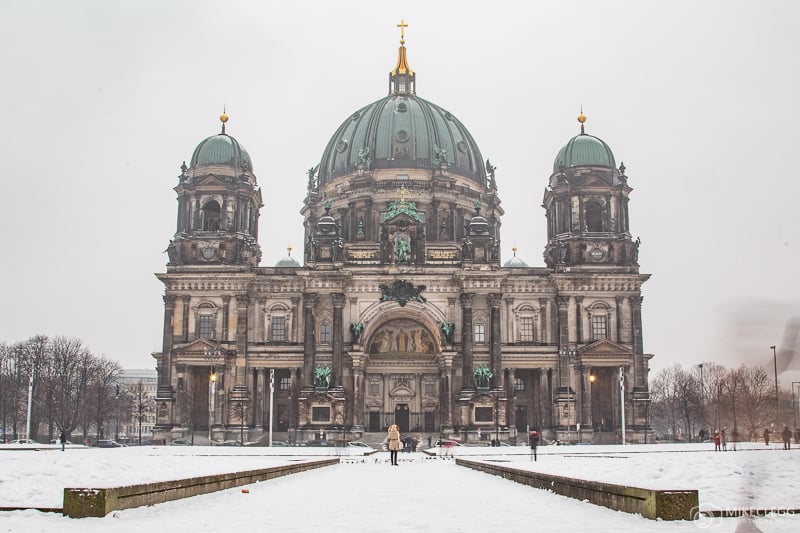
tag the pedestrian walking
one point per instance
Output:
(766, 436)
(62, 438)
(724, 438)
(787, 438)
(394, 443)
(717, 441)
(430, 442)
(533, 437)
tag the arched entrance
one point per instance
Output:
(401, 417)
(402, 375)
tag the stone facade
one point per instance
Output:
(402, 312)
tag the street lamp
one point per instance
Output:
(777, 401)
(211, 354)
(622, 400)
(702, 400)
(567, 354)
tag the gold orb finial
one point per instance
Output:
(514, 249)
(223, 117)
(581, 118)
(289, 249)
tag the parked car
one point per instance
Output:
(318, 443)
(108, 443)
(279, 443)
(448, 442)
(358, 444)
(23, 441)
(230, 443)
(181, 442)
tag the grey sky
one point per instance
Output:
(103, 100)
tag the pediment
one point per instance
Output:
(210, 180)
(604, 347)
(197, 345)
(402, 218)
(595, 181)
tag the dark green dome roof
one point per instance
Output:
(288, 262)
(584, 151)
(515, 262)
(402, 131)
(221, 149)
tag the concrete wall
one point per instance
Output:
(85, 502)
(650, 503)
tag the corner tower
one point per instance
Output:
(218, 206)
(587, 208)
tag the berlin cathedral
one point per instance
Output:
(402, 310)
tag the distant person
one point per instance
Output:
(724, 437)
(430, 442)
(766, 436)
(717, 441)
(735, 436)
(62, 438)
(797, 435)
(533, 437)
(394, 443)
(787, 438)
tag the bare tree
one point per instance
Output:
(756, 399)
(142, 406)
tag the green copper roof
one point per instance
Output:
(584, 150)
(515, 262)
(288, 262)
(402, 131)
(221, 149)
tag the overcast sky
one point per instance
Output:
(102, 101)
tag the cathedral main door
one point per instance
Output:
(401, 417)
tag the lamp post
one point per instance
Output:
(271, 401)
(211, 354)
(567, 354)
(702, 400)
(777, 400)
(622, 399)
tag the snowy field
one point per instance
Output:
(424, 493)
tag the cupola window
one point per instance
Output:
(594, 217)
(211, 214)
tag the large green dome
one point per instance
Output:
(402, 131)
(584, 150)
(221, 149)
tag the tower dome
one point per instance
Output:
(221, 149)
(288, 261)
(402, 130)
(584, 150)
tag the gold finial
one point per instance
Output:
(514, 249)
(402, 27)
(289, 249)
(223, 118)
(582, 119)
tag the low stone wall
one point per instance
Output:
(97, 502)
(650, 503)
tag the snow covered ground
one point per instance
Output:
(365, 493)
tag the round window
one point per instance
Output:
(596, 254)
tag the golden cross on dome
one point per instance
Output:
(402, 27)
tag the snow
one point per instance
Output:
(424, 493)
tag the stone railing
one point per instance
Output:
(97, 502)
(650, 503)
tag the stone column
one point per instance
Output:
(543, 322)
(165, 363)
(494, 348)
(620, 318)
(294, 334)
(226, 311)
(563, 341)
(242, 304)
(587, 397)
(466, 340)
(640, 378)
(579, 319)
(185, 301)
(309, 339)
(358, 394)
(338, 340)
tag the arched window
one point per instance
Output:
(594, 216)
(211, 214)
(599, 320)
